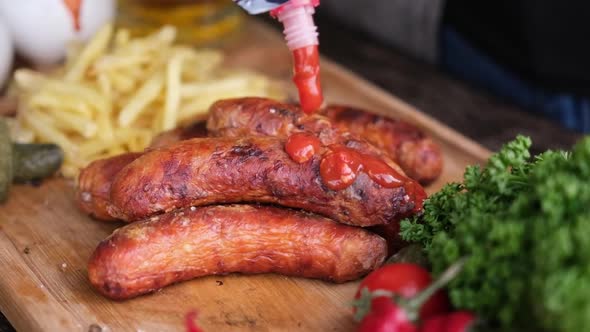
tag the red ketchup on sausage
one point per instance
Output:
(302, 39)
(340, 167)
(301, 147)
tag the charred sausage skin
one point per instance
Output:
(204, 171)
(148, 255)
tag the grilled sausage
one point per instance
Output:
(416, 153)
(148, 255)
(94, 181)
(418, 156)
(205, 171)
(266, 117)
(94, 184)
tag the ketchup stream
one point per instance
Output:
(307, 78)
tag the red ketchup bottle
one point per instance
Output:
(302, 39)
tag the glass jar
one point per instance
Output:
(199, 22)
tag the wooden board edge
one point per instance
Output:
(425, 121)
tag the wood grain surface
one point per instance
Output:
(45, 241)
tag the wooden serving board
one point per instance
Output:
(45, 241)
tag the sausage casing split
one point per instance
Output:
(148, 255)
(205, 171)
(94, 184)
(417, 155)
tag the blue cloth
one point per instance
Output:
(461, 59)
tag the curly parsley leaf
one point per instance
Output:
(525, 225)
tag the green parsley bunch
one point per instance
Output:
(525, 226)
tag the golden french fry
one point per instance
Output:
(106, 88)
(94, 147)
(122, 37)
(92, 97)
(165, 35)
(93, 50)
(112, 62)
(73, 122)
(116, 93)
(53, 101)
(44, 129)
(172, 92)
(200, 105)
(192, 90)
(146, 94)
(20, 133)
(121, 83)
(28, 80)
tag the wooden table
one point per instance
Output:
(479, 116)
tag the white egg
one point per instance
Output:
(41, 29)
(6, 54)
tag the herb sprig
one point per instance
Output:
(525, 225)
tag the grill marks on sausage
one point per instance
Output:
(246, 151)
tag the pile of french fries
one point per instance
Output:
(116, 93)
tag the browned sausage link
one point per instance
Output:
(266, 117)
(262, 116)
(94, 184)
(148, 255)
(205, 171)
(416, 153)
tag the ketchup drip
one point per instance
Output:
(301, 147)
(307, 78)
(74, 8)
(340, 167)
